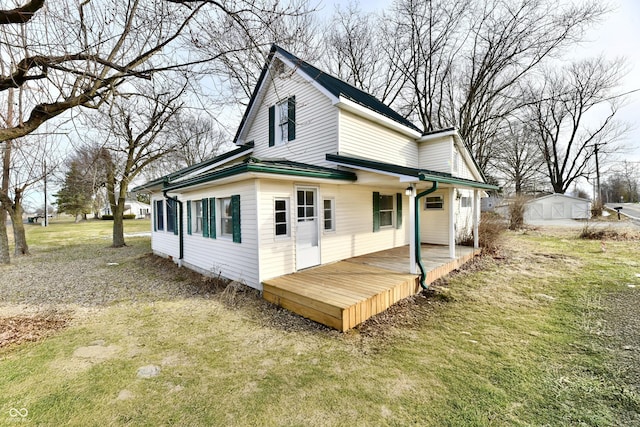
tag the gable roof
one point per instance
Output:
(329, 84)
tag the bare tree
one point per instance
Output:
(21, 14)
(567, 132)
(73, 54)
(518, 158)
(240, 41)
(355, 52)
(463, 60)
(135, 133)
(622, 183)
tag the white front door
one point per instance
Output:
(307, 228)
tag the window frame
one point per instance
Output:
(223, 216)
(196, 220)
(431, 204)
(468, 201)
(172, 216)
(159, 215)
(287, 218)
(332, 210)
(391, 211)
(282, 122)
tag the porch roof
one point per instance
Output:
(277, 167)
(405, 173)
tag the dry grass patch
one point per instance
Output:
(19, 329)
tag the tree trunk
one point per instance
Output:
(21, 248)
(4, 238)
(118, 224)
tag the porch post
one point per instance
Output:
(452, 223)
(413, 267)
(476, 218)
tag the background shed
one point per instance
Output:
(557, 206)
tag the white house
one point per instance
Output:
(131, 207)
(557, 206)
(323, 172)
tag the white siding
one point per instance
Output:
(236, 261)
(353, 234)
(361, 137)
(436, 155)
(316, 123)
(434, 223)
(464, 169)
(277, 253)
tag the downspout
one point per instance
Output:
(180, 232)
(416, 236)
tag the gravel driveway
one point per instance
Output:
(88, 275)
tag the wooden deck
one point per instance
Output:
(344, 294)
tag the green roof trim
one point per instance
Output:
(272, 167)
(189, 169)
(419, 174)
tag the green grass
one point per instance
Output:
(64, 231)
(517, 342)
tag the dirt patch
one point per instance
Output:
(19, 329)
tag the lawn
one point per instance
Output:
(527, 338)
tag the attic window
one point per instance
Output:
(282, 122)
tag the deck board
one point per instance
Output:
(344, 294)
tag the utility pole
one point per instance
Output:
(598, 191)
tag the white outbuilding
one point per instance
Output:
(557, 206)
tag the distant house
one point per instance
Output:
(131, 207)
(557, 206)
(322, 172)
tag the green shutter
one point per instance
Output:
(272, 126)
(376, 211)
(189, 217)
(205, 218)
(212, 217)
(235, 218)
(398, 210)
(291, 105)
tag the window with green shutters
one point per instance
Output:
(230, 218)
(282, 122)
(386, 209)
(194, 216)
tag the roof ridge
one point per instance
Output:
(391, 113)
